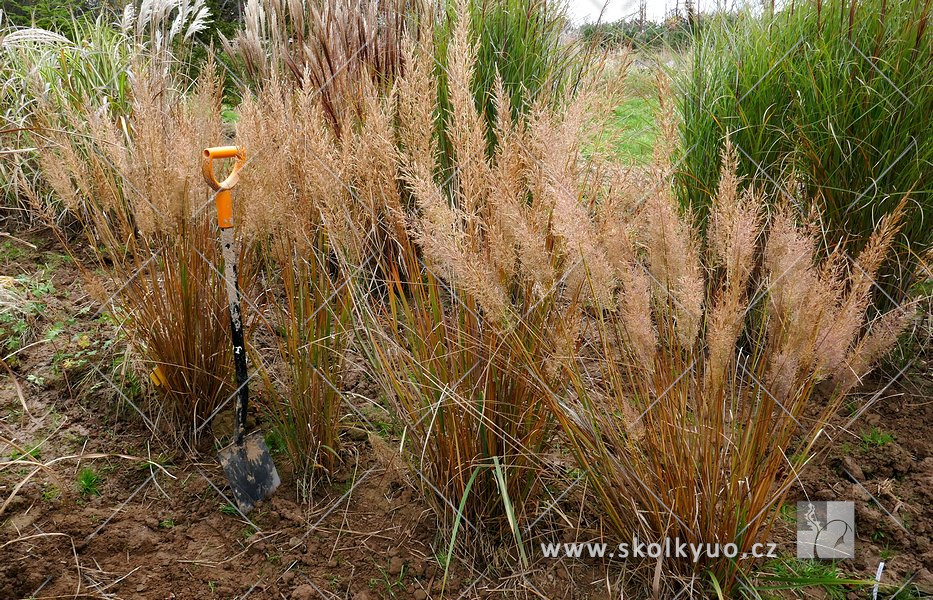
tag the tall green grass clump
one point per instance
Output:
(518, 41)
(837, 91)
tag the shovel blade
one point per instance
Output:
(249, 470)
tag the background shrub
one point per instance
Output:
(675, 33)
(56, 15)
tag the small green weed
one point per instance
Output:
(875, 438)
(789, 512)
(389, 585)
(9, 251)
(55, 330)
(51, 493)
(803, 578)
(40, 287)
(334, 581)
(387, 429)
(275, 442)
(89, 482)
(32, 452)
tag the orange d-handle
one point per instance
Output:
(224, 198)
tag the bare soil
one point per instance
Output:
(165, 529)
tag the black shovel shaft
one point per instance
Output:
(236, 328)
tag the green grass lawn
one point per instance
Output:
(632, 130)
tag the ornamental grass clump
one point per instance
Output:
(309, 321)
(135, 186)
(39, 66)
(717, 365)
(317, 201)
(488, 281)
(89, 69)
(331, 49)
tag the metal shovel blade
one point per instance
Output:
(249, 470)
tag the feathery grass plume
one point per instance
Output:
(687, 432)
(164, 28)
(672, 250)
(734, 227)
(563, 184)
(304, 400)
(332, 48)
(417, 120)
(478, 293)
(137, 190)
(304, 177)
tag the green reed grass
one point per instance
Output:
(517, 40)
(850, 98)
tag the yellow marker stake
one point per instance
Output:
(157, 377)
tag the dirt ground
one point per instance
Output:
(156, 522)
